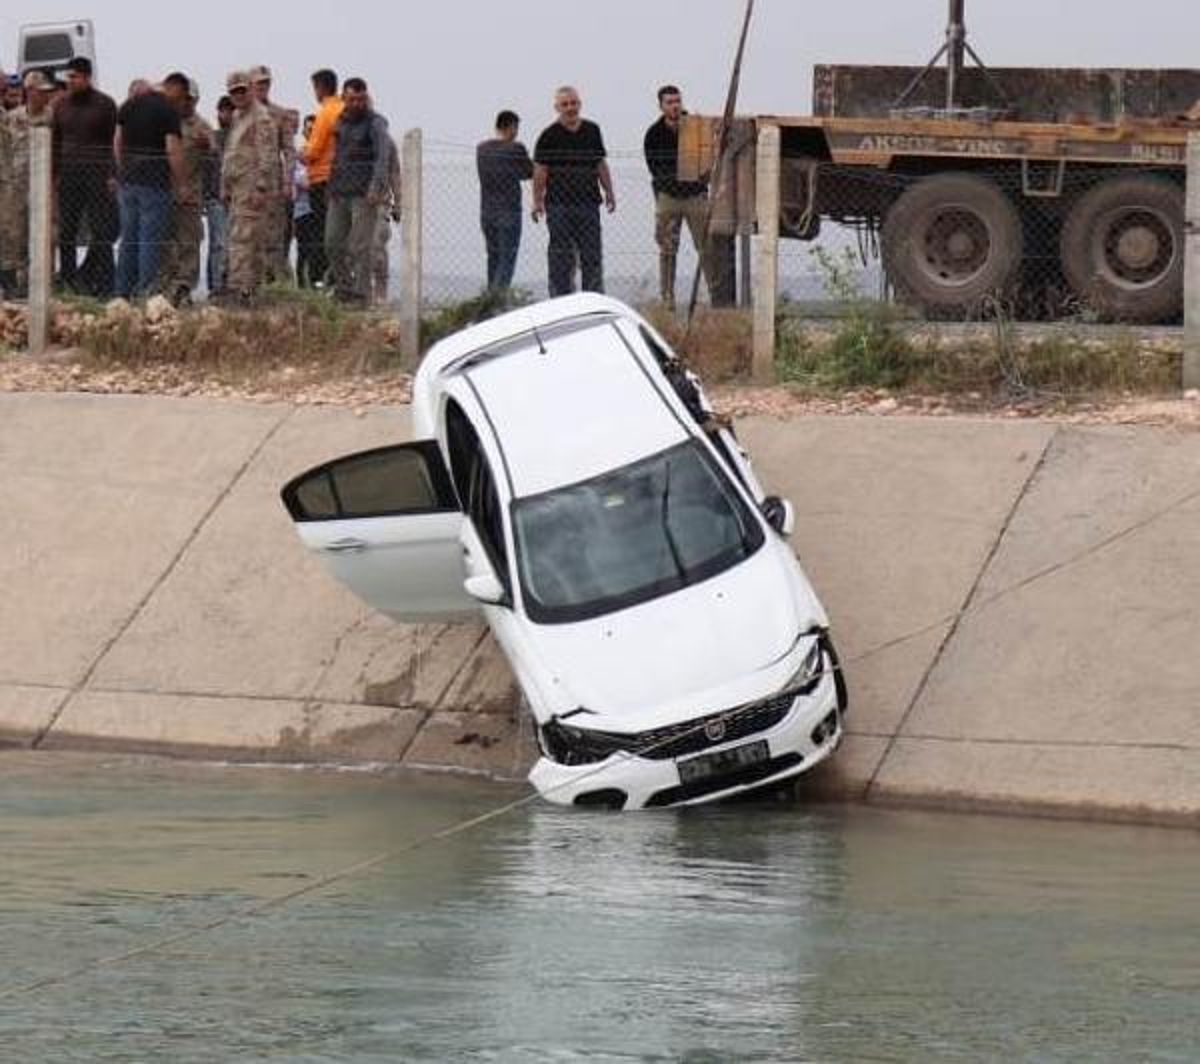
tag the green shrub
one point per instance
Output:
(447, 320)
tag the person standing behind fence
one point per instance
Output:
(214, 208)
(389, 213)
(287, 125)
(307, 235)
(570, 171)
(502, 163)
(181, 270)
(150, 162)
(250, 182)
(8, 280)
(358, 185)
(84, 124)
(318, 157)
(675, 201)
(14, 194)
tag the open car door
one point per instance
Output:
(386, 523)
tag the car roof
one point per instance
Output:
(573, 403)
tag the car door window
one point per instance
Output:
(408, 479)
(484, 510)
(476, 487)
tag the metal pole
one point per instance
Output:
(766, 258)
(745, 291)
(731, 96)
(411, 231)
(1191, 277)
(956, 39)
(40, 251)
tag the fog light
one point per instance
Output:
(826, 730)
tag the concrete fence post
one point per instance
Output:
(766, 257)
(1191, 276)
(41, 254)
(411, 233)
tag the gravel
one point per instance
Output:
(312, 384)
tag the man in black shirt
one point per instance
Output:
(569, 174)
(675, 201)
(150, 162)
(83, 124)
(503, 163)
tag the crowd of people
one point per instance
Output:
(571, 182)
(139, 185)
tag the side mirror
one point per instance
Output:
(485, 588)
(779, 514)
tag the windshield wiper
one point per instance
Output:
(666, 523)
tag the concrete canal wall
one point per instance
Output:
(1015, 602)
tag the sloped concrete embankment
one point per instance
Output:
(1014, 602)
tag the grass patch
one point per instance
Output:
(447, 320)
(293, 330)
(719, 344)
(866, 347)
(871, 345)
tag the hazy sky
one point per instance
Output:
(448, 65)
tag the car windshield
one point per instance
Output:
(631, 535)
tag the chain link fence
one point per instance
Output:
(455, 254)
(1084, 244)
(1035, 242)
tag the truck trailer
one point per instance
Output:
(1043, 188)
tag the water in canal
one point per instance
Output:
(763, 932)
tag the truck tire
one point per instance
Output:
(951, 241)
(1122, 249)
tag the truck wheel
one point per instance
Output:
(950, 241)
(1122, 249)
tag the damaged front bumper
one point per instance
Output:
(809, 731)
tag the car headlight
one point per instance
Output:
(811, 669)
(579, 746)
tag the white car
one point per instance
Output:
(569, 481)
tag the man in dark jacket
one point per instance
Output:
(84, 123)
(675, 201)
(502, 163)
(358, 186)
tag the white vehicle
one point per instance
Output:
(50, 46)
(569, 482)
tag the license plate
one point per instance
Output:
(695, 769)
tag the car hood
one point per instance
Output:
(716, 644)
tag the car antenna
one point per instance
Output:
(538, 337)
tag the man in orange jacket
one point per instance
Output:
(318, 158)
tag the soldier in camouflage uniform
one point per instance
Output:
(181, 268)
(287, 125)
(250, 183)
(14, 181)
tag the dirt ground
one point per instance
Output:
(311, 384)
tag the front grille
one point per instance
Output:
(569, 745)
(696, 736)
(738, 778)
